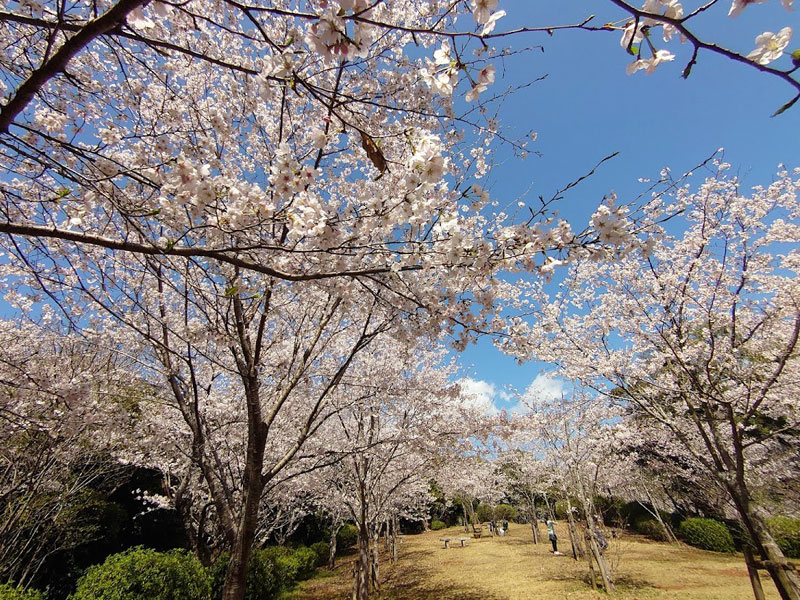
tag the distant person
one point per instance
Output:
(505, 525)
(551, 534)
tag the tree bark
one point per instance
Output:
(783, 574)
(332, 547)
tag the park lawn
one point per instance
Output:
(513, 568)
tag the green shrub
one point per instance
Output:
(262, 577)
(436, 525)
(143, 574)
(786, 532)
(288, 566)
(707, 534)
(505, 512)
(484, 513)
(9, 592)
(307, 561)
(651, 528)
(347, 537)
(322, 550)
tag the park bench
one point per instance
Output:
(477, 530)
(447, 541)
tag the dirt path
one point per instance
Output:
(513, 568)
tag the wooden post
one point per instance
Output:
(755, 580)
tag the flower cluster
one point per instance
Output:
(330, 37)
(287, 176)
(666, 13)
(611, 224)
(441, 74)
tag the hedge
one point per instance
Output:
(707, 534)
(652, 529)
(436, 525)
(143, 574)
(786, 532)
(347, 537)
(263, 582)
(322, 550)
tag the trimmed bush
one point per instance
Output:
(347, 537)
(9, 592)
(786, 532)
(437, 525)
(505, 512)
(707, 534)
(143, 574)
(288, 567)
(307, 561)
(652, 529)
(322, 550)
(484, 513)
(262, 577)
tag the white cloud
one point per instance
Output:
(479, 395)
(543, 387)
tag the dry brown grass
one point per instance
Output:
(513, 568)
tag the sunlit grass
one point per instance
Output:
(513, 568)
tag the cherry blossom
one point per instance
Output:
(770, 46)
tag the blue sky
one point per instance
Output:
(588, 107)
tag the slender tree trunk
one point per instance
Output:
(534, 524)
(375, 566)
(666, 528)
(332, 547)
(574, 538)
(592, 533)
(752, 571)
(395, 525)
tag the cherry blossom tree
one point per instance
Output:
(65, 410)
(575, 435)
(399, 420)
(700, 333)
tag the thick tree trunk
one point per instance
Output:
(236, 575)
(782, 572)
(364, 561)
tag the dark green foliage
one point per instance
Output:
(505, 512)
(322, 550)
(651, 528)
(347, 537)
(437, 525)
(307, 561)
(142, 574)
(9, 592)
(786, 532)
(287, 565)
(484, 513)
(262, 577)
(707, 534)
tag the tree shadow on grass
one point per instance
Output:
(421, 586)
